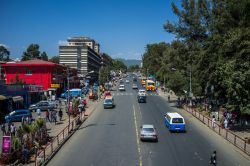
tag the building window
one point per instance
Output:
(28, 72)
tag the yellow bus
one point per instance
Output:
(150, 85)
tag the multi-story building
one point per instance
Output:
(81, 53)
(50, 76)
(106, 59)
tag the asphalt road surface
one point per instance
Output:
(110, 138)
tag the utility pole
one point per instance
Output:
(190, 86)
(68, 93)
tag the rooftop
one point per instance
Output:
(33, 62)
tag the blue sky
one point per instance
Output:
(122, 27)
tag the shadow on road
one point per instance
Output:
(95, 124)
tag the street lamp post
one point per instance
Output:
(190, 86)
(68, 93)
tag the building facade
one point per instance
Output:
(80, 53)
(50, 76)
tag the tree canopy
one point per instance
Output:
(4, 53)
(33, 52)
(55, 59)
(213, 44)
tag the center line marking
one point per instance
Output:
(137, 138)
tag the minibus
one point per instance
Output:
(72, 93)
(174, 122)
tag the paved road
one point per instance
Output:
(109, 137)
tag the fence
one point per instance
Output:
(45, 153)
(236, 140)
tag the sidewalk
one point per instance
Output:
(237, 138)
(59, 132)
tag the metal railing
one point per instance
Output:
(236, 140)
(46, 152)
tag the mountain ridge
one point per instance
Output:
(130, 62)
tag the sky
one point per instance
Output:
(122, 27)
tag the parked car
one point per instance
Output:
(148, 133)
(43, 106)
(16, 115)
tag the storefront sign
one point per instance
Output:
(55, 85)
(6, 144)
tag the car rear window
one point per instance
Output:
(148, 129)
(177, 120)
(108, 101)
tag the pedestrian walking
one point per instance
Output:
(23, 120)
(213, 159)
(213, 122)
(28, 120)
(13, 130)
(25, 153)
(38, 111)
(9, 128)
(54, 116)
(47, 114)
(225, 123)
(60, 114)
(3, 128)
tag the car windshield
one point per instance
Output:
(177, 120)
(149, 130)
(151, 83)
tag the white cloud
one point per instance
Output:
(4, 45)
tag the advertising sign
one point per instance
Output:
(6, 144)
(55, 85)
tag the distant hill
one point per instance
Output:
(130, 62)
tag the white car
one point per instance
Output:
(121, 88)
(127, 81)
(134, 86)
(148, 133)
(141, 92)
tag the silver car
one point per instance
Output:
(134, 86)
(122, 88)
(148, 133)
(43, 106)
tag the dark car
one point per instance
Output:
(43, 106)
(141, 99)
(16, 116)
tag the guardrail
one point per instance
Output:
(236, 140)
(46, 152)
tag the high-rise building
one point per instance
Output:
(81, 53)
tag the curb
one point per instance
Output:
(242, 149)
(67, 138)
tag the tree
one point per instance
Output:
(33, 52)
(55, 59)
(133, 68)
(4, 53)
(44, 56)
(118, 65)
